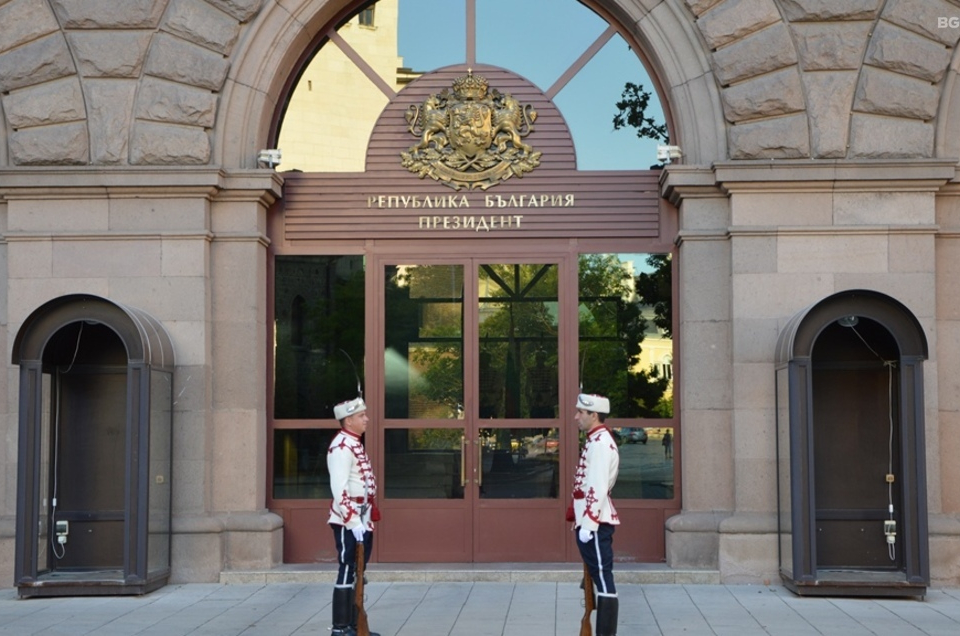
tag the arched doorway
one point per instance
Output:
(95, 449)
(852, 486)
(470, 305)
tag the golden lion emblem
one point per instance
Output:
(471, 137)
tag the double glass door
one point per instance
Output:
(470, 365)
(474, 428)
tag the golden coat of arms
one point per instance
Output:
(471, 137)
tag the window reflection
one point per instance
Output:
(423, 366)
(300, 463)
(519, 463)
(423, 463)
(329, 116)
(626, 334)
(518, 341)
(318, 333)
(646, 463)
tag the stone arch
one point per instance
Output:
(199, 81)
(666, 37)
(948, 124)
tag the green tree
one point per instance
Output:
(632, 112)
(612, 330)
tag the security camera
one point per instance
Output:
(668, 153)
(270, 157)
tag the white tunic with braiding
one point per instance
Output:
(595, 478)
(352, 483)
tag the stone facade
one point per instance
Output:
(821, 144)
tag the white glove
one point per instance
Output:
(585, 535)
(358, 532)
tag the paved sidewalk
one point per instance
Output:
(477, 609)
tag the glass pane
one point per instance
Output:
(334, 107)
(626, 337)
(318, 334)
(646, 463)
(589, 103)
(329, 116)
(432, 33)
(46, 539)
(158, 484)
(519, 463)
(518, 341)
(423, 359)
(300, 463)
(540, 40)
(423, 463)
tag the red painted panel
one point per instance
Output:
(521, 534)
(429, 535)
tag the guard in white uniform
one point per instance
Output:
(353, 509)
(593, 514)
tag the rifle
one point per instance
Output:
(588, 603)
(363, 629)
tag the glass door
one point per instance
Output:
(426, 498)
(471, 437)
(517, 428)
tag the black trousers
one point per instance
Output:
(598, 556)
(347, 554)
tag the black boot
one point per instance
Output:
(355, 612)
(608, 607)
(343, 612)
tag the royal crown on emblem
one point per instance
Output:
(470, 86)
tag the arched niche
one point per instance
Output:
(94, 455)
(850, 448)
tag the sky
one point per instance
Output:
(540, 39)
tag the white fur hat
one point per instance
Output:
(350, 407)
(595, 403)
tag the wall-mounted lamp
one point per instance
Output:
(667, 154)
(270, 157)
(848, 321)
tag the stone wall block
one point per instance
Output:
(56, 145)
(829, 98)
(897, 49)
(699, 7)
(885, 93)
(181, 61)
(777, 138)
(767, 50)
(884, 137)
(921, 17)
(109, 53)
(823, 10)
(765, 96)
(166, 144)
(203, 24)
(53, 102)
(734, 19)
(25, 20)
(109, 14)
(39, 61)
(830, 47)
(242, 10)
(162, 101)
(110, 104)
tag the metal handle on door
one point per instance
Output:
(463, 464)
(479, 463)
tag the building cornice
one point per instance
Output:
(214, 184)
(680, 182)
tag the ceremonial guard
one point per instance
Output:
(592, 512)
(353, 509)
